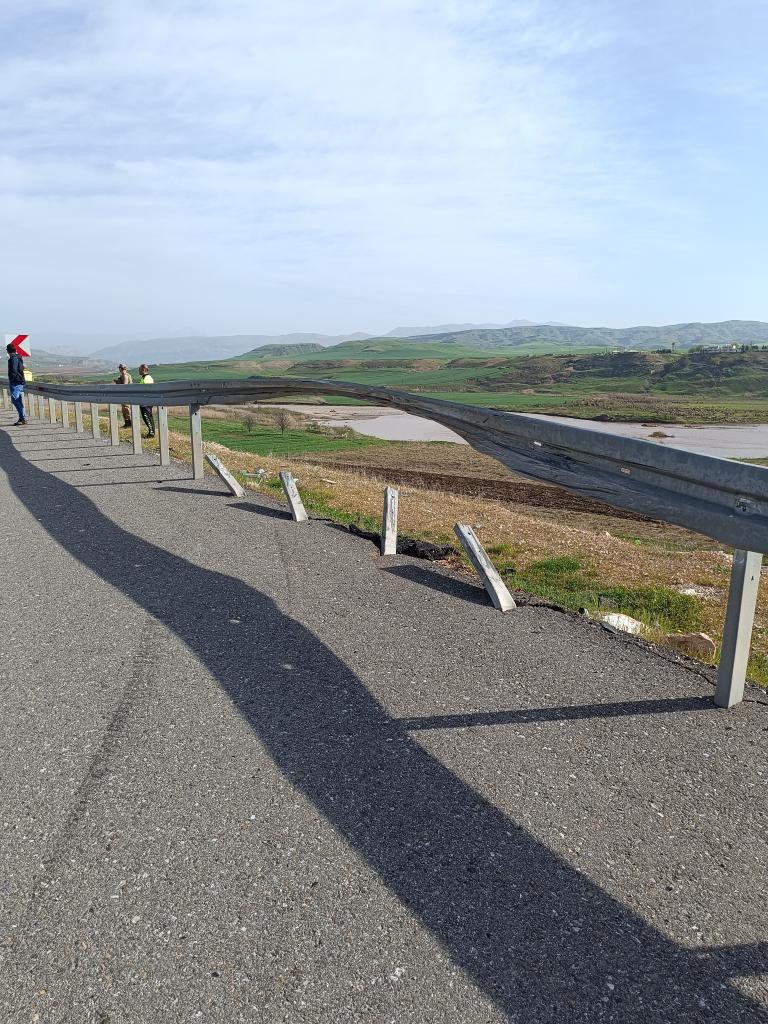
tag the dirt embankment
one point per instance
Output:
(520, 492)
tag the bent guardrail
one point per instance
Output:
(725, 500)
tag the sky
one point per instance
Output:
(252, 166)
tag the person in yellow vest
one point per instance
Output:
(146, 410)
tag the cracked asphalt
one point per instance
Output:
(252, 772)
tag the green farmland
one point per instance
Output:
(264, 440)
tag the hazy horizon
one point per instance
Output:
(171, 170)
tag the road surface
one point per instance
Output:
(254, 773)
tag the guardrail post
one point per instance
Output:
(737, 634)
(196, 437)
(298, 511)
(30, 403)
(136, 429)
(389, 522)
(234, 487)
(95, 425)
(6, 398)
(114, 429)
(162, 435)
(52, 409)
(493, 583)
(65, 414)
(79, 418)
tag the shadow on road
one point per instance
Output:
(534, 934)
(262, 510)
(440, 582)
(562, 714)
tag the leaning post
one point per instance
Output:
(79, 418)
(389, 522)
(298, 511)
(737, 634)
(234, 486)
(95, 426)
(162, 432)
(136, 429)
(493, 583)
(196, 438)
(114, 429)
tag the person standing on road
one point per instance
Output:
(146, 410)
(16, 383)
(124, 378)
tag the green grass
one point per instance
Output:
(565, 581)
(262, 440)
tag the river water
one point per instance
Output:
(736, 442)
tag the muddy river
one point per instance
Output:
(741, 442)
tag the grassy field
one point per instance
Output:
(261, 439)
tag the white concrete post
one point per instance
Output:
(196, 438)
(31, 406)
(52, 409)
(114, 429)
(298, 511)
(79, 418)
(6, 398)
(737, 634)
(65, 414)
(493, 583)
(162, 433)
(389, 522)
(136, 429)
(95, 426)
(234, 487)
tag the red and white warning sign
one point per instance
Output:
(21, 343)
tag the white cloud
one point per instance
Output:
(251, 166)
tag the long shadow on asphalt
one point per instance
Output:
(433, 580)
(537, 937)
(574, 712)
(262, 510)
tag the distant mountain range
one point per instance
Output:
(681, 335)
(180, 350)
(518, 334)
(420, 332)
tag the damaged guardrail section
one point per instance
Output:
(725, 500)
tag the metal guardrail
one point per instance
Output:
(725, 500)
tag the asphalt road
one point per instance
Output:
(251, 772)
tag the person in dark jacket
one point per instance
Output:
(16, 383)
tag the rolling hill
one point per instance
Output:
(297, 350)
(186, 349)
(749, 332)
